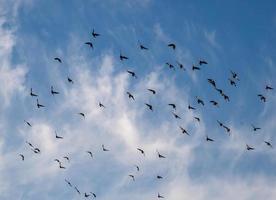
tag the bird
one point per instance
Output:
(191, 108)
(61, 167)
(132, 73)
(82, 114)
(153, 91)
(255, 128)
(90, 153)
(159, 177)
(53, 92)
(202, 62)
(226, 128)
(67, 158)
(22, 157)
(219, 90)
(209, 139)
(172, 45)
(160, 196)
(184, 130)
(141, 151)
(176, 116)
(77, 190)
(262, 97)
(131, 176)
(137, 168)
(57, 136)
(220, 123)
(58, 59)
(94, 34)
(57, 160)
(195, 68)
(172, 105)
(149, 106)
(130, 95)
(94, 195)
(199, 101)
(212, 82)
(33, 94)
(30, 144)
(142, 47)
(181, 66)
(267, 87)
(226, 98)
(86, 195)
(268, 144)
(28, 123)
(101, 105)
(89, 44)
(197, 119)
(38, 104)
(122, 57)
(214, 103)
(160, 155)
(68, 182)
(249, 148)
(36, 150)
(234, 75)
(70, 80)
(232, 82)
(170, 65)
(104, 149)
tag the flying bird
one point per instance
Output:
(267, 87)
(90, 153)
(137, 168)
(94, 195)
(202, 62)
(195, 68)
(94, 34)
(122, 57)
(30, 144)
(38, 104)
(220, 123)
(70, 80)
(184, 131)
(214, 103)
(142, 47)
(82, 114)
(28, 123)
(132, 73)
(209, 139)
(149, 106)
(53, 92)
(160, 155)
(57, 160)
(159, 177)
(141, 151)
(104, 149)
(101, 105)
(197, 119)
(262, 97)
(131, 176)
(172, 105)
(57, 136)
(58, 59)
(255, 128)
(22, 157)
(268, 144)
(68, 182)
(89, 44)
(200, 101)
(181, 66)
(234, 75)
(130, 95)
(61, 167)
(249, 148)
(176, 116)
(172, 45)
(160, 196)
(170, 65)
(67, 158)
(152, 91)
(33, 94)
(191, 108)
(77, 190)
(36, 150)
(86, 195)
(232, 82)
(212, 82)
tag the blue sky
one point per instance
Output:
(233, 35)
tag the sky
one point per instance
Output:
(236, 36)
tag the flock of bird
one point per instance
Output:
(233, 80)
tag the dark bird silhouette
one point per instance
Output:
(132, 73)
(141, 151)
(212, 82)
(149, 106)
(160, 196)
(197, 119)
(195, 68)
(152, 91)
(30, 144)
(200, 101)
(267, 87)
(226, 98)
(142, 47)
(122, 57)
(176, 116)
(255, 128)
(170, 65)
(159, 177)
(77, 190)
(191, 108)
(172, 105)
(57, 160)
(58, 59)
(160, 155)
(249, 148)
(214, 103)
(82, 114)
(227, 129)
(22, 157)
(67, 158)
(101, 105)
(209, 139)
(94, 34)
(220, 91)
(86, 195)
(33, 94)
(39, 105)
(234, 75)
(89, 44)
(28, 123)
(268, 144)
(202, 62)
(137, 168)
(130, 95)
(181, 66)
(36, 150)
(68, 182)
(131, 176)
(53, 92)
(104, 149)
(61, 166)
(172, 45)
(70, 80)
(232, 82)
(90, 153)
(57, 136)
(184, 131)
(262, 97)
(220, 123)
(93, 194)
